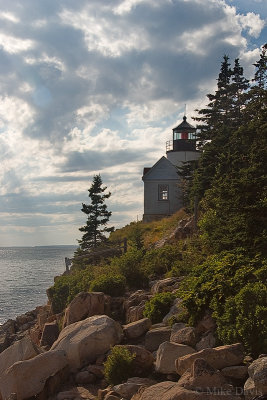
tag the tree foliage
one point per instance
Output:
(97, 216)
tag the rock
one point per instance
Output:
(111, 395)
(50, 334)
(202, 377)
(257, 381)
(177, 327)
(206, 324)
(85, 305)
(156, 336)
(97, 370)
(28, 378)
(176, 309)
(249, 389)
(129, 388)
(173, 391)
(165, 285)
(135, 304)
(76, 393)
(206, 342)
(218, 358)
(136, 329)
(21, 350)
(85, 340)
(84, 377)
(4, 340)
(185, 335)
(236, 372)
(167, 354)
(143, 361)
(9, 327)
(135, 313)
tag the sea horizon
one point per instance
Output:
(26, 273)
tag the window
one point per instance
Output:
(163, 192)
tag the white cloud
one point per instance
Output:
(252, 22)
(15, 45)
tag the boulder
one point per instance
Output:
(236, 372)
(85, 305)
(206, 342)
(173, 391)
(176, 309)
(50, 334)
(85, 340)
(218, 358)
(84, 377)
(136, 329)
(76, 393)
(202, 377)
(155, 337)
(165, 285)
(21, 350)
(167, 354)
(97, 370)
(28, 378)
(143, 361)
(257, 381)
(135, 313)
(206, 324)
(185, 335)
(129, 388)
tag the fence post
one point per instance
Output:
(125, 245)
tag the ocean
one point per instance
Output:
(25, 274)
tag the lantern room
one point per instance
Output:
(184, 138)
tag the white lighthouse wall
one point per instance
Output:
(178, 157)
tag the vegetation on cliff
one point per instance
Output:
(224, 263)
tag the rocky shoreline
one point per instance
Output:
(61, 356)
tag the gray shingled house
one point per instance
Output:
(162, 192)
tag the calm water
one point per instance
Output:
(25, 274)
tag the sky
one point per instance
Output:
(94, 86)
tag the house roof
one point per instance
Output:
(163, 169)
(184, 126)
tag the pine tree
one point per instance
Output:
(98, 216)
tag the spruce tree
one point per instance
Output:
(97, 216)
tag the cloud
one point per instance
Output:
(253, 23)
(90, 87)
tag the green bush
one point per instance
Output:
(119, 365)
(232, 286)
(244, 318)
(66, 287)
(129, 265)
(157, 307)
(160, 261)
(113, 285)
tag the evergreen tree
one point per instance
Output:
(234, 207)
(97, 216)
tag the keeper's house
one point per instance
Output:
(162, 192)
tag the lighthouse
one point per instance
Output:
(182, 147)
(162, 188)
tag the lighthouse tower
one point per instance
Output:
(182, 147)
(162, 189)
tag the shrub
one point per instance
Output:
(157, 307)
(66, 287)
(113, 285)
(244, 318)
(160, 261)
(129, 265)
(119, 365)
(232, 286)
